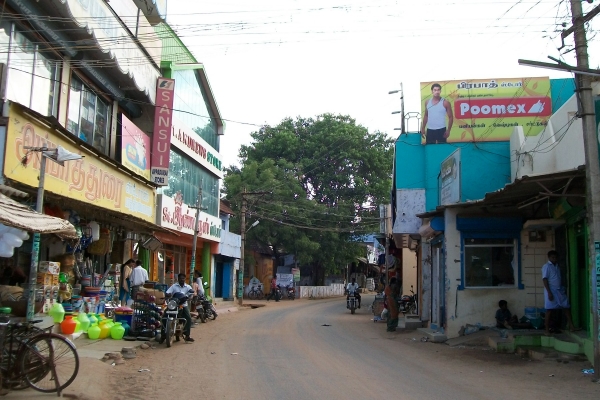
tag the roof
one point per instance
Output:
(527, 190)
(20, 216)
(225, 208)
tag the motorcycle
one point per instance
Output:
(291, 292)
(172, 322)
(352, 303)
(205, 308)
(277, 294)
(408, 304)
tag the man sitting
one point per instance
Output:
(352, 288)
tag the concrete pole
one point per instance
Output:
(243, 237)
(592, 169)
(194, 243)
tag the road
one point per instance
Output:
(284, 351)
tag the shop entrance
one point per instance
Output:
(218, 279)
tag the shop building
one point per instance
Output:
(95, 100)
(195, 168)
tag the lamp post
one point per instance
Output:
(58, 155)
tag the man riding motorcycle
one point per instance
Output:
(352, 288)
(182, 287)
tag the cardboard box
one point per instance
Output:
(49, 267)
(159, 294)
(47, 280)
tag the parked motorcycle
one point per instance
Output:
(277, 294)
(408, 304)
(205, 308)
(291, 292)
(172, 321)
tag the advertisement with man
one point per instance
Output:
(483, 110)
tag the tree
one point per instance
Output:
(326, 175)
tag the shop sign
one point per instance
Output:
(188, 141)
(487, 110)
(97, 17)
(135, 146)
(450, 179)
(89, 180)
(161, 140)
(174, 214)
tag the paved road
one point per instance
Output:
(285, 352)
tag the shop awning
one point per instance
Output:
(20, 216)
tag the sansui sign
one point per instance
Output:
(161, 140)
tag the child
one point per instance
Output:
(504, 319)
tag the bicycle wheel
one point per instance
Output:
(260, 295)
(252, 294)
(49, 363)
(14, 341)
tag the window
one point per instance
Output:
(185, 175)
(32, 74)
(490, 262)
(191, 108)
(88, 116)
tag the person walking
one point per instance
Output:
(273, 293)
(392, 291)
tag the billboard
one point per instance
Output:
(450, 179)
(483, 110)
(135, 148)
(161, 139)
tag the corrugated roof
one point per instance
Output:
(20, 216)
(225, 209)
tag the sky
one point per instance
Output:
(267, 60)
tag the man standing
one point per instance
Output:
(182, 287)
(273, 293)
(434, 128)
(352, 288)
(138, 277)
(555, 298)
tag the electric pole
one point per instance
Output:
(243, 237)
(592, 167)
(198, 208)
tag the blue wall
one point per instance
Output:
(485, 167)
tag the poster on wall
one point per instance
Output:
(135, 148)
(483, 110)
(450, 179)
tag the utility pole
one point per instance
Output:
(243, 237)
(198, 208)
(592, 168)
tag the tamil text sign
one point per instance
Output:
(450, 179)
(89, 180)
(174, 214)
(135, 148)
(486, 109)
(161, 140)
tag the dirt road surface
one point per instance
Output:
(315, 349)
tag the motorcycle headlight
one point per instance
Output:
(172, 305)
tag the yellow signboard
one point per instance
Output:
(90, 180)
(484, 110)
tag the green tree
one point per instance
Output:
(326, 177)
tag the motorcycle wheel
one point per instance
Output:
(169, 331)
(412, 309)
(352, 310)
(211, 314)
(202, 316)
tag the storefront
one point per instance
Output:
(112, 209)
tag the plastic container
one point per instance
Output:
(117, 331)
(67, 327)
(57, 312)
(94, 332)
(84, 320)
(124, 318)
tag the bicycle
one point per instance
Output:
(256, 293)
(36, 358)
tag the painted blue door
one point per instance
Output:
(227, 292)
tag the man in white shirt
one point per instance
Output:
(353, 288)
(138, 277)
(182, 287)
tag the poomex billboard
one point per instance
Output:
(484, 110)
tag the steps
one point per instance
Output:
(536, 346)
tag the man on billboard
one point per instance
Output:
(434, 128)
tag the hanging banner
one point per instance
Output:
(135, 146)
(484, 110)
(161, 139)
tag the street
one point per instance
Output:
(315, 349)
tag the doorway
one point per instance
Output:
(219, 279)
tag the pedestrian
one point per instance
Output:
(273, 293)
(392, 292)
(198, 285)
(138, 277)
(125, 281)
(555, 296)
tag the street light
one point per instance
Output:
(59, 155)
